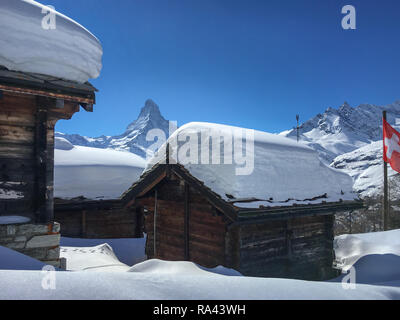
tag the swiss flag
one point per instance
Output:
(391, 146)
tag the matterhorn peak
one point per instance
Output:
(150, 108)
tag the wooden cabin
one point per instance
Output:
(185, 220)
(30, 106)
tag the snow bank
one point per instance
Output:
(128, 251)
(154, 286)
(69, 51)
(278, 169)
(12, 260)
(375, 256)
(94, 173)
(180, 268)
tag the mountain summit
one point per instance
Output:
(150, 113)
(342, 130)
(134, 138)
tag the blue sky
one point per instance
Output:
(248, 63)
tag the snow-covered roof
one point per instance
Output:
(275, 171)
(29, 43)
(93, 173)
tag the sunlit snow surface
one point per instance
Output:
(69, 51)
(93, 173)
(283, 170)
(375, 257)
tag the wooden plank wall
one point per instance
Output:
(299, 248)
(17, 165)
(206, 228)
(18, 159)
(100, 223)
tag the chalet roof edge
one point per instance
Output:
(149, 179)
(18, 81)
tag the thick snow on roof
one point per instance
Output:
(274, 169)
(69, 51)
(93, 173)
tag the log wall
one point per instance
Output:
(196, 233)
(100, 223)
(27, 154)
(300, 248)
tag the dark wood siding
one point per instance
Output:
(100, 223)
(22, 150)
(297, 248)
(206, 227)
(17, 165)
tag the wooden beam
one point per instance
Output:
(186, 227)
(88, 107)
(42, 213)
(155, 224)
(43, 93)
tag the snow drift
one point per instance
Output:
(375, 256)
(69, 51)
(277, 170)
(93, 173)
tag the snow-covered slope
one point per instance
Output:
(365, 166)
(274, 169)
(374, 256)
(342, 130)
(69, 51)
(93, 173)
(133, 139)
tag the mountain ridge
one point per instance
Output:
(133, 139)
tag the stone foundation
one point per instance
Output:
(39, 241)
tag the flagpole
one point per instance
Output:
(385, 189)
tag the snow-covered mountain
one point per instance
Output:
(365, 166)
(342, 130)
(133, 139)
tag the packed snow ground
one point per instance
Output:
(375, 256)
(67, 51)
(93, 173)
(271, 168)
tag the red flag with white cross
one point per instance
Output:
(391, 146)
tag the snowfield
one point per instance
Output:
(93, 173)
(69, 51)
(375, 257)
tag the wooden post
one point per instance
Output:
(186, 227)
(385, 190)
(155, 225)
(83, 231)
(42, 214)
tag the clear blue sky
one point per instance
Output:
(241, 62)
